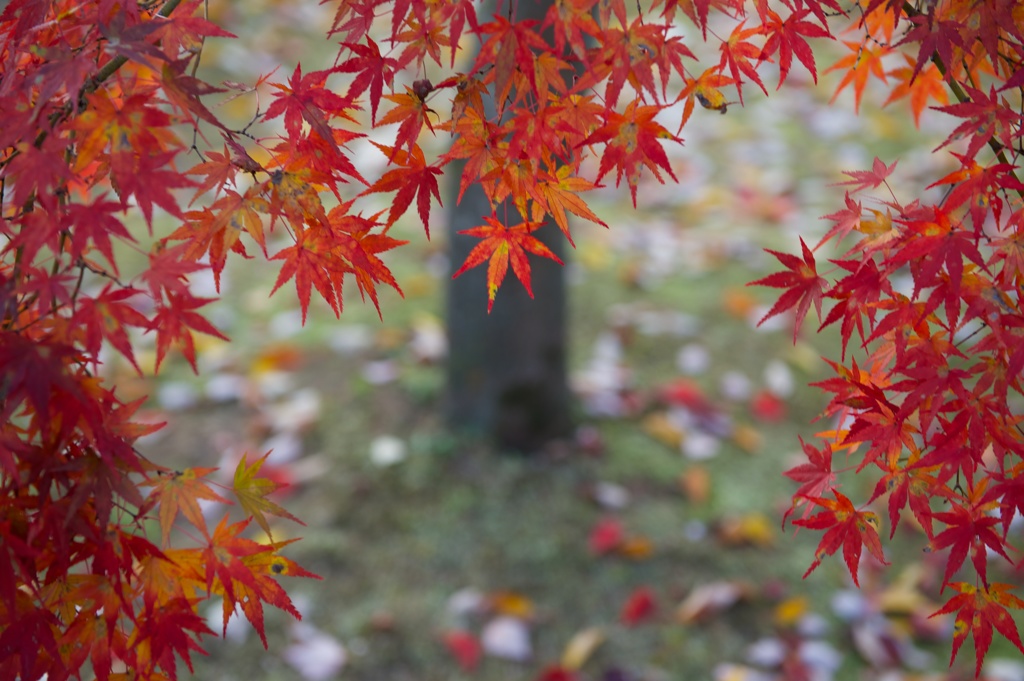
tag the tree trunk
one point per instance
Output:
(507, 369)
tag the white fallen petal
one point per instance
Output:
(766, 652)
(693, 359)
(316, 655)
(238, 628)
(283, 447)
(465, 602)
(1002, 669)
(779, 379)
(735, 386)
(429, 342)
(296, 412)
(176, 396)
(611, 496)
(821, 655)
(507, 638)
(380, 372)
(274, 384)
(350, 339)
(224, 387)
(699, 446)
(387, 450)
(286, 324)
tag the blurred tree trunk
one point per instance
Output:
(507, 371)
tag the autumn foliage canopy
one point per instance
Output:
(107, 125)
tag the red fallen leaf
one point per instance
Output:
(638, 607)
(556, 673)
(464, 647)
(768, 407)
(683, 392)
(606, 536)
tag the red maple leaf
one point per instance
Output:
(631, 142)
(737, 52)
(816, 476)
(501, 245)
(978, 610)
(847, 528)
(412, 178)
(802, 283)
(310, 262)
(786, 37)
(970, 529)
(306, 99)
(375, 71)
(988, 117)
(868, 179)
(936, 36)
(172, 322)
(107, 316)
(91, 225)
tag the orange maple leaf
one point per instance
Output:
(501, 244)
(180, 492)
(411, 113)
(558, 191)
(926, 86)
(857, 66)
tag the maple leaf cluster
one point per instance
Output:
(926, 394)
(94, 95)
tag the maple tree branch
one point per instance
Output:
(108, 69)
(111, 67)
(997, 148)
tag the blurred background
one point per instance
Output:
(641, 543)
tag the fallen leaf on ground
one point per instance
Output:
(710, 599)
(660, 427)
(752, 529)
(581, 646)
(464, 647)
(639, 607)
(768, 407)
(511, 603)
(695, 483)
(636, 548)
(790, 611)
(738, 302)
(557, 674)
(606, 536)
(748, 438)
(278, 357)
